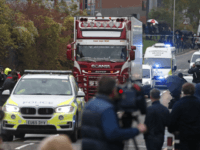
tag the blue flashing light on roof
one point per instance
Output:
(167, 45)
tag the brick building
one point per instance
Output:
(119, 8)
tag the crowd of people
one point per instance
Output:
(164, 34)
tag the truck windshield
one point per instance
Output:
(145, 73)
(43, 87)
(101, 53)
(194, 58)
(158, 62)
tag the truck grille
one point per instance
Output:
(45, 111)
(27, 110)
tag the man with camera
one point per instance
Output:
(100, 124)
(195, 70)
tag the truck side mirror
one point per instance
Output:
(132, 55)
(188, 61)
(69, 54)
(133, 47)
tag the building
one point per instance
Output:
(119, 8)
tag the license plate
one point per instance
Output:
(29, 122)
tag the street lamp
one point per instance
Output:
(174, 21)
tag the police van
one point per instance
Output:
(162, 58)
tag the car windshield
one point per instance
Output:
(158, 62)
(101, 53)
(145, 73)
(43, 87)
(194, 58)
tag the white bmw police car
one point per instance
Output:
(43, 102)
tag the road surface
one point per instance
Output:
(31, 141)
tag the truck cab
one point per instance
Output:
(162, 58)
(104, 46)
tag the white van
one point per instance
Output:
(194, 57)
(162, 58)
(147, 75)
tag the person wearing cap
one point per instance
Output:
(180, 75)
(195, 70)
(60, 142)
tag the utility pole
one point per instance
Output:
(174, 22)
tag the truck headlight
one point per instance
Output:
(64, 109)
(11, 108)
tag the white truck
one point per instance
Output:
(162, 58)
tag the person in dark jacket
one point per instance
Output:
(197, 91)
(100, 125)
(7, 85)
(157, 118)
(195, 70)
(2, 76)
(176, 95)
(185, 119)
(180, 75)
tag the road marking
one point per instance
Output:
(32, 141)
(179, 70)
(185, 70)
(20, 147)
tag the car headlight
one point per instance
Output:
(11, 108)
(64, 109)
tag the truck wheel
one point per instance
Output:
(74, 135)
(20, 135)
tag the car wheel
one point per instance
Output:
(5, 136)
(74, 135)
(20, 135)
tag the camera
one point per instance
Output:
(131, 97)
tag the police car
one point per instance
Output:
(43, 102)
